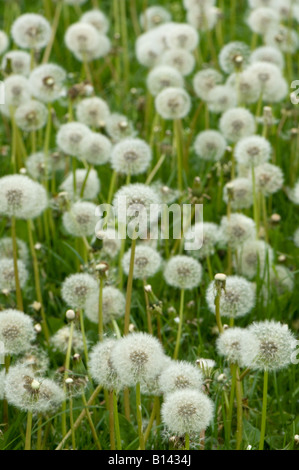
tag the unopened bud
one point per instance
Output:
(70, 315)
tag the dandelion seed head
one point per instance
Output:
(131, 156)
(268, 178)
(180, 375)
(187, 411)
(254, 256)
(37, 395)
(147, 262)
(230, 343)
(241, 191)
(16, 89)
(97, 19)
(16, 331)
(229, 53)
(163, 76)
(92, 186)
(205, 80)
(7, 274)
(4, 42)
(6, 250)
(154, 16)
(275, 344)
(202, 18)
(46, 82)
(31, 31)
(237, 123)
(31, 116)
(137, 357)
(208, 234)
(262, 19)
(173, 103)
(282, 37)
(101, 366)
(60, 340)
(247, 85)
(237, 229)
(180, 59)
(85, 42)
(69, 137)
(113, 305)
(118, 127)
(210, 145)
(268, 54)
(183, 272)
(21, 197)
(92, 111)
(221, 98)
(39, 166)
(19, 62)
(253, 150)
(76, 288)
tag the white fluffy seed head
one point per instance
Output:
(92, 185)
(154, 16)
(230, 343)
(110, 240)
(282, 37)
(270, 79)
(239, 193)
(281, 279)
(69, 137)
(76, 288)
(262, 19)
(92, 112)
(31, 31)
(205, 80)
(230, 53)
(80, 220)
(208, 234)
(252, 151)
(236, 300)
(131, 156)
(7, 274)
(85, 42)
(97, 19)
(180, 59)
(119, 127)
(173, 103)
(113, 305)
(221, 98)
(140, 199)
(21, 197)
(236, 229)
(19, 62)
(210, 145)
(247, 86)
(16, 331)
(46, 82)
(95, 149)
(254, 257)
(180, 375)
(147, 262)
(163, 76)
(273, 349)
(101, 367)
(6, 250)
(183, 272)
(268, 54)
(31, 116)
(39, 166)
(182, 36)
(60, 340)
(137, 357)
(16, 89)
(23, 392)
(268, 178)
(237, 123)
(187, 411)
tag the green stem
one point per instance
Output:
(139, 417)
(28, 431)
(72, 423)
(100, 326)
(179, 333)
(116, 422)
(111, 421)
(15, 263)
(187, 441)
(239, 395)
(90, 422)
(233, 368)
(129, 287)
(264, 411)
(217, 309)
(84, 337)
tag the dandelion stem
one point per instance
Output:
(116, 421)
(233, 369)
(264, 411)
(101, 328)
(72, 423)
(15, 263)
(187, 441)
(139, 417)
(129, 286)
(111, 421)
(55, 24)
(179, 333)
(28, 431)
(239, 394)
(83, 337)
(90, 422)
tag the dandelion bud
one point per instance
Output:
(38, 328)
(220, 280)
(35, 385)
(70, 315)
(69, 381)
(148, 288)
(76, 357)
